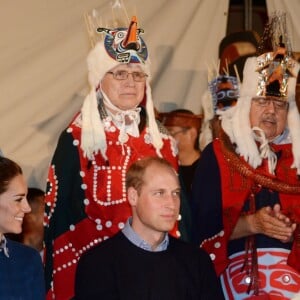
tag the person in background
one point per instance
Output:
(220, 100)
(224, 81)
(86, 200)
(184, 126)
(21, 275)
(32, 229)
(143, 261)
(246, 193)
(234, 49)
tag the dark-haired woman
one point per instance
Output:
(21, 269)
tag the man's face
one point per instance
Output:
(156, 207)
(268, 115)
(124, 94)
(181, 135)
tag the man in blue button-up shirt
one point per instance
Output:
(143, 261)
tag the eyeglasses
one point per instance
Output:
(183, 130)
(123, 75)
(265, 101)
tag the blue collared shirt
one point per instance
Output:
(139, 242)
(284, 138)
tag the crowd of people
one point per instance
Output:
(136, 209)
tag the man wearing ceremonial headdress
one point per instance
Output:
(246, 193)
(86, 200)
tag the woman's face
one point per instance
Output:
(13, 206)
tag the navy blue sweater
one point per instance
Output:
(117, 269)
(21, 274)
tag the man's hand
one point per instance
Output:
(268, 221)
(273, 223)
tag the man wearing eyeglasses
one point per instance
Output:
(86, 201)
(270, 115)
(246, 191)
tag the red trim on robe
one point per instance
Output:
(235, 191)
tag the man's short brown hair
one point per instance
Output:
(135, 173)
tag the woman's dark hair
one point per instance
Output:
(8, 170)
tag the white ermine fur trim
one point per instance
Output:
(93, 137)
(242, 134)
(153, 128)
(226, 120)
(207, 106)
(206, 132)
(99, 62)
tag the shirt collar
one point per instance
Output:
(132, 236)
(284, 138)
(3, 246)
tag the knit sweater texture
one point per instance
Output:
(117, 269)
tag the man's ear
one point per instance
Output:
(132, 196)
(193, 132)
